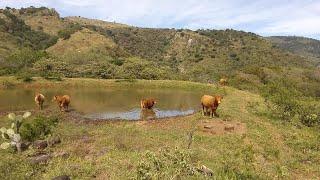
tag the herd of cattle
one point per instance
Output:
(209, 103)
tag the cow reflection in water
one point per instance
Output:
(147, 114)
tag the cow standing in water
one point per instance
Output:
(147, 103)
(39, 99)
(63, 102)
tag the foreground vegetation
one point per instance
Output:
(266, 147)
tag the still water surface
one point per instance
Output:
(108, 103)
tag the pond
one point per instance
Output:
(108, 103)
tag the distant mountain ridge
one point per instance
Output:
(303, 46)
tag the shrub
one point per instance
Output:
(117, 61)
(69, 30)
(284, 97)
(38, 127)
(24, 58)
(142, 69)
(166, 164)
(309, 116)
(25, 77)
(7, 84)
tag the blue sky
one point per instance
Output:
(264, 17)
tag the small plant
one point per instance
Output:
(12, 134)
(309, 116)
(25, 78)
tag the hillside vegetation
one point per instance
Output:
(299, 45)
(80, 47)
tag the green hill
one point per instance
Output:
(80, 47)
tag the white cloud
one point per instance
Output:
(267, 17)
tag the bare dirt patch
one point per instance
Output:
(208, 126)
(220, 127)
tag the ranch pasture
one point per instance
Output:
(245, 142)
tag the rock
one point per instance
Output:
(206, 171)
(54, 140)
(40, 159)
(208, 127)
(40, 144)
(190, 42)
(229, 127)
(63, 177)
(64, 155)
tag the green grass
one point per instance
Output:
(269, 149)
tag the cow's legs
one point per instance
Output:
(203, 110)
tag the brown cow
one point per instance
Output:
(147, 103)
(223, 81)
(63, 102)
(211, 103)
(39, 99)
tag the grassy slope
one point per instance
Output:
(268, 149)
(46, 20)
(81, 41)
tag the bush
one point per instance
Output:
(166, 164)
(37, 128)
(27, 79)
(24, 58)
(117, 61)
(309, 116)
(25, 76)
(69, 30)
(137, 68)
(7, 84)
(284, 98)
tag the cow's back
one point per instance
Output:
(39, 98)
(66, 99)
(207, 100)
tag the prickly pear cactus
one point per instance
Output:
(12, 134)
